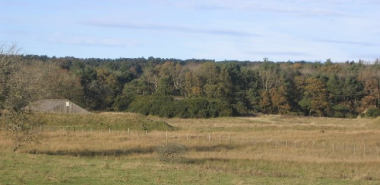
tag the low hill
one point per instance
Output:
(100, 121)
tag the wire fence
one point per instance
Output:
(357, 149)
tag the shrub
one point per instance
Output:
(122, 103)
(340, 111)
(362, 115)
(166, 106)
(373, 112)
(171, 152)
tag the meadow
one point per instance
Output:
(109, 148)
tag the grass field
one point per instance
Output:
(243, 150)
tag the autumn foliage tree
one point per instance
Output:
(19, 86)
(315, 94)
(293, 87)
(371, 80)
(279, 98)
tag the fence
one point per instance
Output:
(360, 149)
(357, 149)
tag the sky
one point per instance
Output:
(280, 30)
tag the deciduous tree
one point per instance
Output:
(19, 86)
(316, 93)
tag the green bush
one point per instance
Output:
(340, 111)
(122, 103)
(372, 112)
(362, 115)
(166, 106)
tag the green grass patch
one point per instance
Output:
(100, 121)
(45, 169)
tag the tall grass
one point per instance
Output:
(267, 149)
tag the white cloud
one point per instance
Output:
(170, 27)
(298, 7)
(59, 38)
(349, 42)
(220, 29)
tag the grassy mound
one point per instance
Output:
(100, 121)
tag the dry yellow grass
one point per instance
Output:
(269, 137)
(342, 148)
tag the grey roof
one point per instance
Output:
(48, 105)
(44, 105)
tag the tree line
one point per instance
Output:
(206, 88)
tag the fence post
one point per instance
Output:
(128, 132)
(109, 130)
(323, 145)
(364, 148)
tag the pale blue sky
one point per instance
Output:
(280, 30)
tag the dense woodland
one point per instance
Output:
(205, 88)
